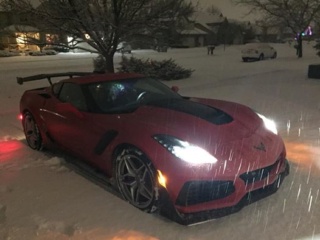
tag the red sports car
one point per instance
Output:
(193, 156)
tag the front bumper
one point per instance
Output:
(251, 56)
(179, 214)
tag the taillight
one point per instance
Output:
(20, 116)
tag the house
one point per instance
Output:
(19, 33)
(16, 37)
(14, 29)
(201, 29)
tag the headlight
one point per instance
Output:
(184, 150)
(269, 124)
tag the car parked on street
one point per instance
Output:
(257, 51)
(194, 156)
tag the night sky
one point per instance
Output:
(227, 8)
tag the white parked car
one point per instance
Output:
(258, 51)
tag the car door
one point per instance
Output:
(73, 127)
(65, 118)
(269, 51)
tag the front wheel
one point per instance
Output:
(136, 179)
(31, 132)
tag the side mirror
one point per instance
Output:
(65, 108)
(175, 89)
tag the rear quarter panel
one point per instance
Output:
(32, 101)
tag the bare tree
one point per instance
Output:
(214, 10)
(103, 23)
(297, 15)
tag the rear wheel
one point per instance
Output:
(136, 179)
(274, 55)
(245, 59)
(32, 132)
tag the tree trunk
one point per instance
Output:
(109, 63)
(300, 46)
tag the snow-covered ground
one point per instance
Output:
(42, 199)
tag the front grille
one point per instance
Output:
(204, 191)
(259, 174)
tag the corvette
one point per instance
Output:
(160, 150)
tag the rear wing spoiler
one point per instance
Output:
(21, 80)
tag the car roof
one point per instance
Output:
(97, 77)
(256, 44)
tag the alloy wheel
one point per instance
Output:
(31, 131)
(135, 180)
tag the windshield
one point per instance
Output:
(126, 95)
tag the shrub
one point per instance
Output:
(164, 70)
(99, 64)
(4, 53)
(317, 46)
(3, 46)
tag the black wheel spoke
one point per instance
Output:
(134, 193)
(145, 174)
(144, 191)
(136, 199)
(129, 165)
(126, 176)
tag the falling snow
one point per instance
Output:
(42, 199)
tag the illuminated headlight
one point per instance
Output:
(184, 150)
(269, 124)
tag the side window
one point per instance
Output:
(56, 88)
(72, 93)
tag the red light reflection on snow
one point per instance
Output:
(8, 149)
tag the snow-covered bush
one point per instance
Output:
(36, 53)
(50, 52)
(99, 64)
(317, 46)
(4, 53)
(164, 70)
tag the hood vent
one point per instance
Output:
(205, 112)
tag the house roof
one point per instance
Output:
(195, 31)
(21, 28)
(206, 19)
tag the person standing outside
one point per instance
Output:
(211, 47)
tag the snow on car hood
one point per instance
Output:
(232, 140)
(200, 119)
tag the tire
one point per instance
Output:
(261, 57)
(31, 131)
(245, 59)
(274, 55)
(136, 179)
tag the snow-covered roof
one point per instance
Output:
(21, 28)
(194, 31)
(205, 18)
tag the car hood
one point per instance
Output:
(231, 132)
(197, 118)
